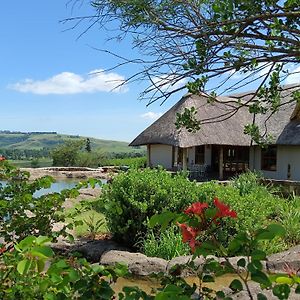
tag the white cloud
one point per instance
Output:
(71, 83)
(151, 115)
(168, 82)
(294, 77)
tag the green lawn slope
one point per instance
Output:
(23, 141)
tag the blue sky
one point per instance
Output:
(46, 82)
(50, 79)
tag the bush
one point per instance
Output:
(135, 196)
(133, 162)
(89, 159)
(256, 207)
(22, 213)
(247, 182)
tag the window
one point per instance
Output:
(199, 155)
(269, 158)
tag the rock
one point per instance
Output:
(68, 172)
(255, 290)
(138, 264)
(177, 266)
(93, 250)
(281, 262)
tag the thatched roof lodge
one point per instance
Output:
(221, 145)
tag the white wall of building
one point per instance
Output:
(286, 155)
(161, 155)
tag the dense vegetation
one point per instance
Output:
(75, 154)
(133, 162)
(135, 196)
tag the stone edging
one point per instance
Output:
(110, 253)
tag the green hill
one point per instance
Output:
(40, 140)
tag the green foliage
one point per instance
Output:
(66, 154)
(245, 243)
(208, 42)
(188, 120)
(27, 145)
(256, 207)
(24, 275)
(89, 223)
(132, 162)
(25, 214)
(247, 182)
(135, 196)
(89, 159)
(35, 163)
(167, 245)
(88, 145)
(43, 163)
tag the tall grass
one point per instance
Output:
(167, 245)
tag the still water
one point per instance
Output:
(56, 187)
(148, 284)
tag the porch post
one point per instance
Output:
(184, 159)
(221, 160)
(148, 155)
(175, 155)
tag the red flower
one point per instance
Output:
(223, 210)
(196, 208)
(189, 235)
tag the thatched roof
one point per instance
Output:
(217, 128)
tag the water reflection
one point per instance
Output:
(148, 284)
(57, 186)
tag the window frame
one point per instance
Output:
(200, 155)
(268, 157)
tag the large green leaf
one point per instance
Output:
(42, 251)
(163, 219)
(261, 278)
(23, 266)
(236, 285)
(282, 291)
(270, 232)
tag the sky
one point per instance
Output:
(52, 80)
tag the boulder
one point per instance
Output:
(284, 261)
(94, 250)
(138, 264)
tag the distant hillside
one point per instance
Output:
(40, 140)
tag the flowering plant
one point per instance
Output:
(203, 219)
(199, 224)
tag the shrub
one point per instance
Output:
(247, 182)
(256, 207)
(89, 159)
(22, 213)
(135, 196)
(132, 162)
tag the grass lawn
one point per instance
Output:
(43, 162)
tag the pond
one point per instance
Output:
(57, 186)
(147, 284)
